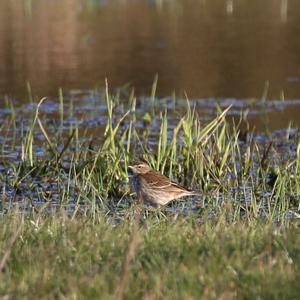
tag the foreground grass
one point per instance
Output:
(56, 257)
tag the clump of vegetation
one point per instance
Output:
(58, 162)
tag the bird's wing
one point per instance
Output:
(156, 180)
(159, 181)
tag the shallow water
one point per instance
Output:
(218, 49)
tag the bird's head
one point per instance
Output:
(138, 169)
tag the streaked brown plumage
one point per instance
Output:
(154, 188)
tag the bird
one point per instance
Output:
(154, 188)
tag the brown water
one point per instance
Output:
(209, 48)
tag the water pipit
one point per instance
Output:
(154, 188)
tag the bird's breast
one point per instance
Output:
(136, 183)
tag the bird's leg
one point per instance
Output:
(138, 209)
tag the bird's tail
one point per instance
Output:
(199, 193)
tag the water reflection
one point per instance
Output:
(229, 7)
(208, 48)
(284, 10)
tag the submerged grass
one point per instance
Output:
(257, 178)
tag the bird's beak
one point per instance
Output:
(130, 170)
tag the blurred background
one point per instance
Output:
(208, 48)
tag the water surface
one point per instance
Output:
(208, 48)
